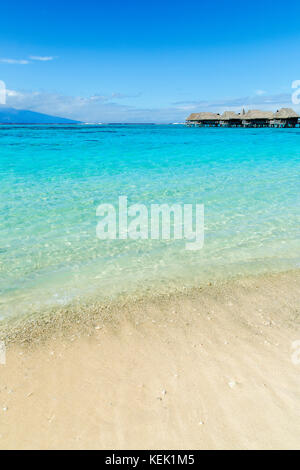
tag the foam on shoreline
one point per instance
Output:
(81, 317)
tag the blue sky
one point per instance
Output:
(148, 61)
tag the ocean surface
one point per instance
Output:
(52, 178)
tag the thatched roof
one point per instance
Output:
(285, 113)
(203, 117)
(192, 117)
(257, 114)
(253, 114)
(230, 115)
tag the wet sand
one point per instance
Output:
(209, 368)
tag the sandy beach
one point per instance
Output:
(207, 369)
(149, 228)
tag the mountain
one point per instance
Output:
(22, 116)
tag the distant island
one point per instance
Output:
(22, 116)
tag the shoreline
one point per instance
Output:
(207, 369)
(81, 316)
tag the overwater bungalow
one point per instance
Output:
(284, 117)
(230, 119)
(204, 119)
(257, 118)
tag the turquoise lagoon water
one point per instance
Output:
(54, 177)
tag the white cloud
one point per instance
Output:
(13, 93)
(26, 61)
(266, 102)
(187, 107)
(96, 108)
(41, 58)
(101, 108)
(14, 61)
(260, 92)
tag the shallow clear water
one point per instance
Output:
(54, 177)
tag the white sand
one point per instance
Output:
(207, 370)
